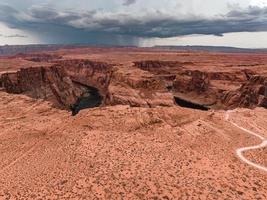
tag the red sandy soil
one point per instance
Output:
(123, 152)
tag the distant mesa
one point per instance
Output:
(11, 50)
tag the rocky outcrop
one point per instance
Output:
(195, 87)
(10, 83)
(66, 92)
(237, 76)
(164, 70)
(251, 94)
(65, 82)
(196, 81)
(135, 87)
(89, 73)
(50, 83)
(38, 57)
(152, 65)
(119, 85)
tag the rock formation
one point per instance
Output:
(135, 87)
(145, 84)
(38, 57)
(196, 81)
(50, 83)
(154, 65)
(165, 70)
(251, 94)
(66, 81)
(195, 87)
(89, 73)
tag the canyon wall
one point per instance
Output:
(89, 73)
(251, 94)
(49, 83)
(135, 85)
(64, 82)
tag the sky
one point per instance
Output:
(239, 23)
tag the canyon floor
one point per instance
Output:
(131, 152)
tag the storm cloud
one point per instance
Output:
(13, 36)
(123, 26)
(128, 2)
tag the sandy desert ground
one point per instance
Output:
(133, 152)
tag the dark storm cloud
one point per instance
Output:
(126, 25)
(128, 2)
(8, 14)
(50, 15)
(14, 36)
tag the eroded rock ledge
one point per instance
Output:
(65, 82)
(50, 83)
(251, 94)
(144, 84)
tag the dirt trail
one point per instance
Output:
(240, 151)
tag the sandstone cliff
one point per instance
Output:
(251, 94)
(65, 82)
(156, 65)
(194, 86)
(38, 57)
(49, 83)
(89, 73)
(196, 81)
(135, 87)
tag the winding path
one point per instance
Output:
(240, 151)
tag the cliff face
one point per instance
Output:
(251, 94)
(196, 81)
(89, 73)
(50, 83)
(65, 82)
(38, 57)
(119, 85)
(156, 65)
(66, 92)
(135, 87)
(9, 81)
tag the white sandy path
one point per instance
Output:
(240, 151)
